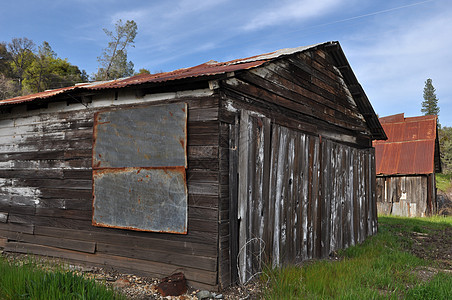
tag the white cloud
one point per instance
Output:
(136, 15)
(288, 11)
(188, 7)
(402, 51)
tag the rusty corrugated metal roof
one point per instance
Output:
(212, 68)
(410, 147)
(206, 69)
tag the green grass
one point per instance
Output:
(380, 268)
(27, 281)
(439, 287)
(443, 181)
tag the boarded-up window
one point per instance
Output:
(139, 161)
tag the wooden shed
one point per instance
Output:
(211, 170)
(406, 164)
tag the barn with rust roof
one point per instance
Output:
(211, 170)
(406, 164)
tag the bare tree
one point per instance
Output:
(113, 61)
(7, 88)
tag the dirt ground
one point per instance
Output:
(434, 246)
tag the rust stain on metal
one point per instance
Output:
(137, 170)
(410, 147)
(97, 224)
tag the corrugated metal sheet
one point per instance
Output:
(410, 148)
(141, 199)
(139, 160)
(153, 136)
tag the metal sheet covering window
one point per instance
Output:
(139, 161)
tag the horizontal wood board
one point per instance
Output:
(46, 193)
(308, 87)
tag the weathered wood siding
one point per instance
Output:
(299, 197)
(278, 156)
(46, 193)
(407, 196)
(301, 166)
(306, 92)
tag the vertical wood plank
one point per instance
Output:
(272, 226)
(297, 240)
(430, 194)
(265, 222)
(347, 191)
(340, 193)
(326, 198)
(355, 158)
(282, 199)
(243, 193)
(279, 195)
(251, 195)
(313, 192)
(362, 198)
(367, 193)
(233, 198)
(373, 190)
(304, 196)
(351, 208)
(317, 181)
(289, 199)
(334, 197)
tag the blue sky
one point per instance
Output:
(392, 46)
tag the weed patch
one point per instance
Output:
(440, 287)
(380, 268)
(27, 281)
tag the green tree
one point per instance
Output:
(47, 71)
(113, 62)
(21, 56)
(8, 88)
(143, 71)
(5, 67)
(24, 70)
(430, 103)
(38, 72)
(445, 145)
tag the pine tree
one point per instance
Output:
(430, 103)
